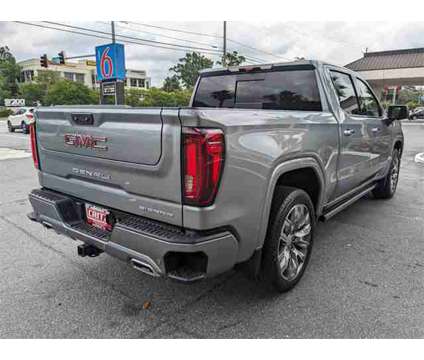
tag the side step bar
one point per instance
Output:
(328, 215)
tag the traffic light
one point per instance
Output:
(43, 61)
(61, 58)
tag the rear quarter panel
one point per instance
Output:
(257, 142)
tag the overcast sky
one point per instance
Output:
(334, 42)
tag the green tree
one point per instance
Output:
(5, 53)
(37, 90)
(134, 97)
(156, 97)
(9, 72)
(4, 92)
(47, 77)
(409, 94)
(171, 83)
(33, 93)
(65, 92)
(188, 67)
(231, 59)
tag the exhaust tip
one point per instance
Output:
(144, 267)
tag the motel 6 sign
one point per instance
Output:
(110, 62)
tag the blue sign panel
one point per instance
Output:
(110, 62)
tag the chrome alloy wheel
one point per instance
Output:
(394, 175)
(294, 241)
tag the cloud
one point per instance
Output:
(334, 42)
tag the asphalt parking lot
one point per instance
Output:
(365, 278)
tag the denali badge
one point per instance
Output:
(86, 141)
(91, 173)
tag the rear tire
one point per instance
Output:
(386, 187)
(25, 128)
(288, 245)
(10, 128)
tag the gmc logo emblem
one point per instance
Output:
(86, 141)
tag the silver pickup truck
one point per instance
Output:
(239, 177)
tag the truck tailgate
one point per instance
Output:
(122, 158)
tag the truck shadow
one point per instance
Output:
(232, 304)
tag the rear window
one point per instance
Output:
(273, 90)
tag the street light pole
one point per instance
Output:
(224, 44)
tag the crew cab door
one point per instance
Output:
(356, 139)
(379, 131)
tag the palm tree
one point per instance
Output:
(5, 53)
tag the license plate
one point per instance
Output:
(98, 217)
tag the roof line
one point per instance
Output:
(395, 52)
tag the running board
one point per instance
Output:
(345, 204)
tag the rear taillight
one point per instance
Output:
(34, 146)
(203, 161)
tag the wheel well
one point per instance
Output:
(399, 146)
(305, 179)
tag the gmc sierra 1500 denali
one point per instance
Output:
(239, 177)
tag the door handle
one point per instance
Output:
(376, 129)
(348, 132)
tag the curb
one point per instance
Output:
(419, 158)
(413, 122)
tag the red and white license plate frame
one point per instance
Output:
(97, 217)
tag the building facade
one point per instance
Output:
(389, 71)
(83, 71)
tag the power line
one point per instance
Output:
(176, 30)
(257, 50)
(122, 40)
(164, 36)
(128, 37)
(209, 35)
(108, 38)
(248, 57)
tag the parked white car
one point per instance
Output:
(20, 120)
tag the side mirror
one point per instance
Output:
(397, 112)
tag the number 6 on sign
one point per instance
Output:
(110, 62)
(106, 64)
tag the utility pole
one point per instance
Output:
(113, 31)
(224, 58)
(117, 86)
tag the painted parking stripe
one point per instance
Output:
(6, 154)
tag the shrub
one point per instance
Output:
(4, 112)
(157, 97)
(65, 92)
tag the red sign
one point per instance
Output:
(98, 217)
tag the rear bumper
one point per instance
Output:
(150, 246)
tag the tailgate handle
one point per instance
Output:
(83, 119)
